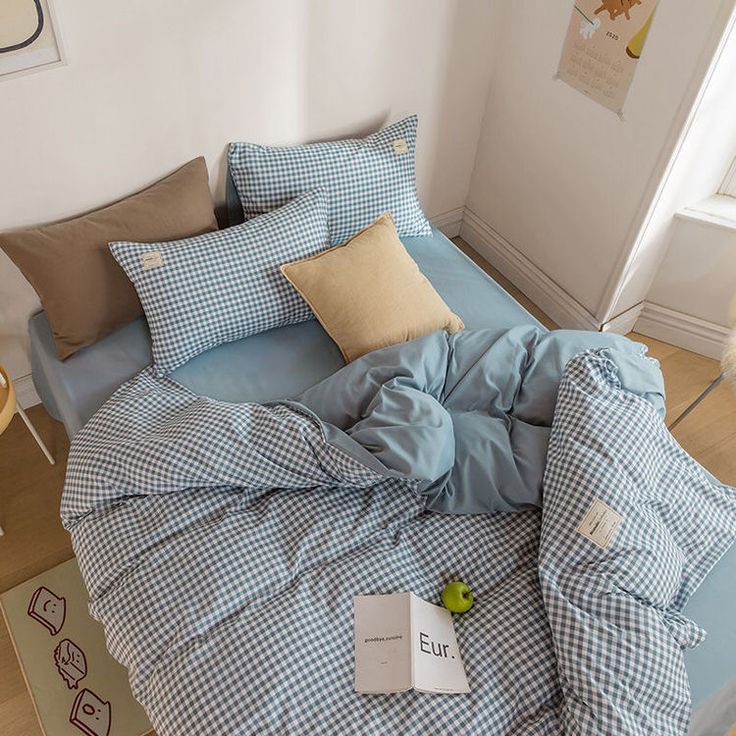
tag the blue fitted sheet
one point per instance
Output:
(713, 664)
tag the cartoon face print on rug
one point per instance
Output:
(71, 663)
(48, 609)
(90, 714)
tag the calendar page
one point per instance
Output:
(602, 48)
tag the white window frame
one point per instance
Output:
(729, 183)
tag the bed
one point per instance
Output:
(284, 362)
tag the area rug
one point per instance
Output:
(76, 686)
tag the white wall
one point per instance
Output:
(698, 275)
(690, 298)
(705, 150)
(150, 85)
(563, 181)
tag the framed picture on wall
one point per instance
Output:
(28, 37)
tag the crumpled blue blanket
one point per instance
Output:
(466, 417)
(221, 544)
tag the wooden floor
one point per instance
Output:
(34, 541)
(30, 488)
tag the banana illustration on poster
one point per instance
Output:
(603, 46)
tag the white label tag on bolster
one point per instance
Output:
(600, 524)
(152, 259)
(400, 146)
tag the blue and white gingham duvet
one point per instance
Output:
(222, 545)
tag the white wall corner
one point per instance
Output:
(26, 392)
(449, 222)
(682, 171)
(624, 322)
(549, 296)
(683, 330)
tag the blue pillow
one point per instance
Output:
(200, 292)
(363, 178)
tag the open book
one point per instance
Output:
(403, 642)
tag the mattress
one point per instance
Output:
(284, 362)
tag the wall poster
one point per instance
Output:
(28, 39)
(602, 48)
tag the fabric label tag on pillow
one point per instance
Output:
(600, 524)
(400, 146)
(152, 259)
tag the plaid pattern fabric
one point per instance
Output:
(222, 544)
(222, 286)
(363, 178)
(677, 521)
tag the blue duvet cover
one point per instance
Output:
(222, 543)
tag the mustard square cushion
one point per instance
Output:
(369, 293)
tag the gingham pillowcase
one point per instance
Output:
(200, 292)
(363, 178)
(631, 525)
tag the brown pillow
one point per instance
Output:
(85, 293)
(370, 293)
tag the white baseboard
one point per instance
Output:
(683, 330)
(624, 322)
(449, 222)
(668, 325)
(26, 391)
(549, 296)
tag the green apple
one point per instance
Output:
(457, 597)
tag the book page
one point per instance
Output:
(437, 665)
(382, 643)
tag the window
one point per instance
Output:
(729, 183)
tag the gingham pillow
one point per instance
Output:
(631, 524)
(363, 178)
(201, 292)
